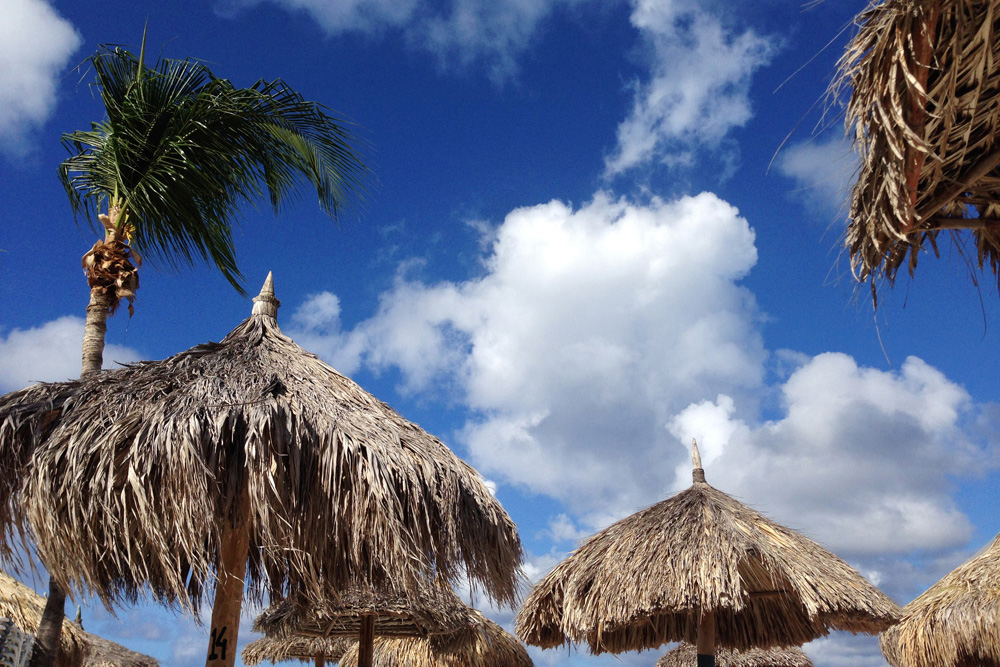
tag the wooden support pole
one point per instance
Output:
(366, 642)
(706, 639)
(229, 589)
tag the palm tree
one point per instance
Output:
(165, 174)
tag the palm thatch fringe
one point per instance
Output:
(77, 648)
(489, 644)
(924, 82)
(955, 622)
(306, 649)
(131, 473)
(686, 655)
(645, 581)
(432, 610)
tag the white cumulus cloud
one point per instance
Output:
(49, 353)
(35, 46)
(822, 170)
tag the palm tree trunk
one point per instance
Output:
(46, 648)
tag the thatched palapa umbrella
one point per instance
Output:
(702, 568)
(955, 622)
(248, 459)
(686, 655)
(307, 649)
(924, 112)
(488, 644)
(361, 612)
(77, 647)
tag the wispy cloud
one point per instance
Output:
(35, 46)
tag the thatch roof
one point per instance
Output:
(924, 112)
(123, 479)
(306, 649)
(77, 647)
(489, 645)
(955, 622)
(686, 655)
(24, 606)
(645, 580)
(431, 610)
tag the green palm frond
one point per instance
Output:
(181, 150)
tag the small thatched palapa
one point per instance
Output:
(306, 649)
(686, 655)
(696, 564)
(924, 112)
(488, 644)
(77, 647)
(955, 622)
(138, 474)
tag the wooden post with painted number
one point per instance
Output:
(229, 589)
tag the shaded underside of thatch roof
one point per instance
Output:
(686, 655)
(955, 622)
(488, 644)
(924, 114)
(644, 581)
(431, 610)
(306, 649)
(124, 479)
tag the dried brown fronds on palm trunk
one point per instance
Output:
(488, 644)
(109, 266)
(954, 623)
(645, 581)
(306, 649)
(134, 471)
(429, 610)
(686, 655)
(924, 114)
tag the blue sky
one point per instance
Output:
(600, 229)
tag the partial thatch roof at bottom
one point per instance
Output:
(432, 610)
(488, 645)
(924, 82)
(644, 581)
(686, 655)
(274, 649)
(955, 622)
(77, 648)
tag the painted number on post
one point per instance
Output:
(219, 642)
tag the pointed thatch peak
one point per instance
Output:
(265, 303)
(698, 473)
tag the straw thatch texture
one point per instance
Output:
(686, 655)
(954, 623)
(24, 606)
(924, 113)
(489, 645)
(131, 473)
(77, 648)
(306, 649)
(431, 609)
(642, 582)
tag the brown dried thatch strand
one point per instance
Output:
(954, 623)
(943, 126)
(647, 579)
(131, 472)
(685, 655)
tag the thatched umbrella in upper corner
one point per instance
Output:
(702, 568)
(362, 612)
(686, 655)
(924, 110)
(249, 458)
(955, 622)
(487, 644)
